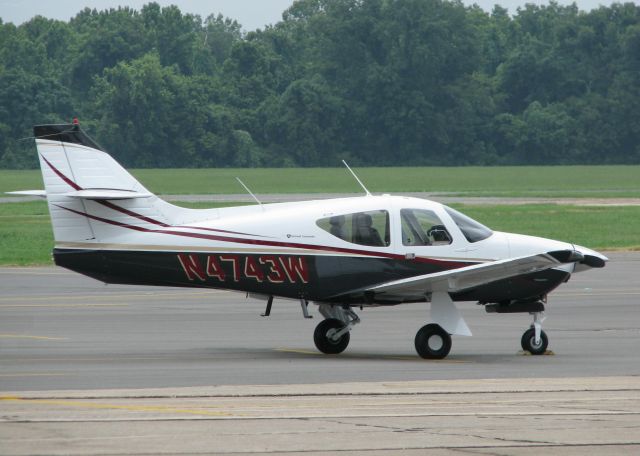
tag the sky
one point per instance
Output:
(251, 14)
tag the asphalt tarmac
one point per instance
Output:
(87, 368)
(60, 330)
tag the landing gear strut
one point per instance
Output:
(534, 340)
(331, 336)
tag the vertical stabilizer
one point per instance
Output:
(91, 197)
(52, 142)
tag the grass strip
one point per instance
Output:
(525, 181)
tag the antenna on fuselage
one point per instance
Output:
(356, 177)
(249, 191)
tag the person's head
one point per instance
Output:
(337, 221)
(364, 220)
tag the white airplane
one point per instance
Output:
(340, 254)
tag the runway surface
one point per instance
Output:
(87, 368)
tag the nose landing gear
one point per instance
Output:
(535, 340)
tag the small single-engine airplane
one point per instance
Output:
(340, 254)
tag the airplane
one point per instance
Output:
(340, 254)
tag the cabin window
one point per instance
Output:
(472, 230)
(423, 227)
(363, 228)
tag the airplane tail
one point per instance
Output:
(91, 197)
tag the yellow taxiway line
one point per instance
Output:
(35, 374)
(133, 408)
(26, 336)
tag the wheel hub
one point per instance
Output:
(435, 342)
(331, 336)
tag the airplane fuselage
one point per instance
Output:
(283, 250)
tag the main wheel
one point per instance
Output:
(528, 342)
(433, 342)
(322, 337)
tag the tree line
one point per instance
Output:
(375, 82)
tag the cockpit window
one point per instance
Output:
(423, 227)
(364, 228)
(472, 230)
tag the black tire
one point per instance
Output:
(433, 342)
(326, 344)
(528, 342)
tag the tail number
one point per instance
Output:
(234, 268)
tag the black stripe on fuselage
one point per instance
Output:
(326, 278)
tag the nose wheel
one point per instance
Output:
(533, 346)
(535, 340)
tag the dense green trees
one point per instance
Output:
(377, 82)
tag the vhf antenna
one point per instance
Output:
(249, 191)
(356, 177)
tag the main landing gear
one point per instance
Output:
(433, 342)
(331, 336)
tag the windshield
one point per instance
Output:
(472, 230)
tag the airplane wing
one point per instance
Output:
(454, 280)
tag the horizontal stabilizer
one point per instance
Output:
(106, 194)
(40, 193)
(89, 194)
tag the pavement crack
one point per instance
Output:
(373, 426)
(500, 439)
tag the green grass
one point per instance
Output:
(26, 236)
(598, 227)
(527, 181)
